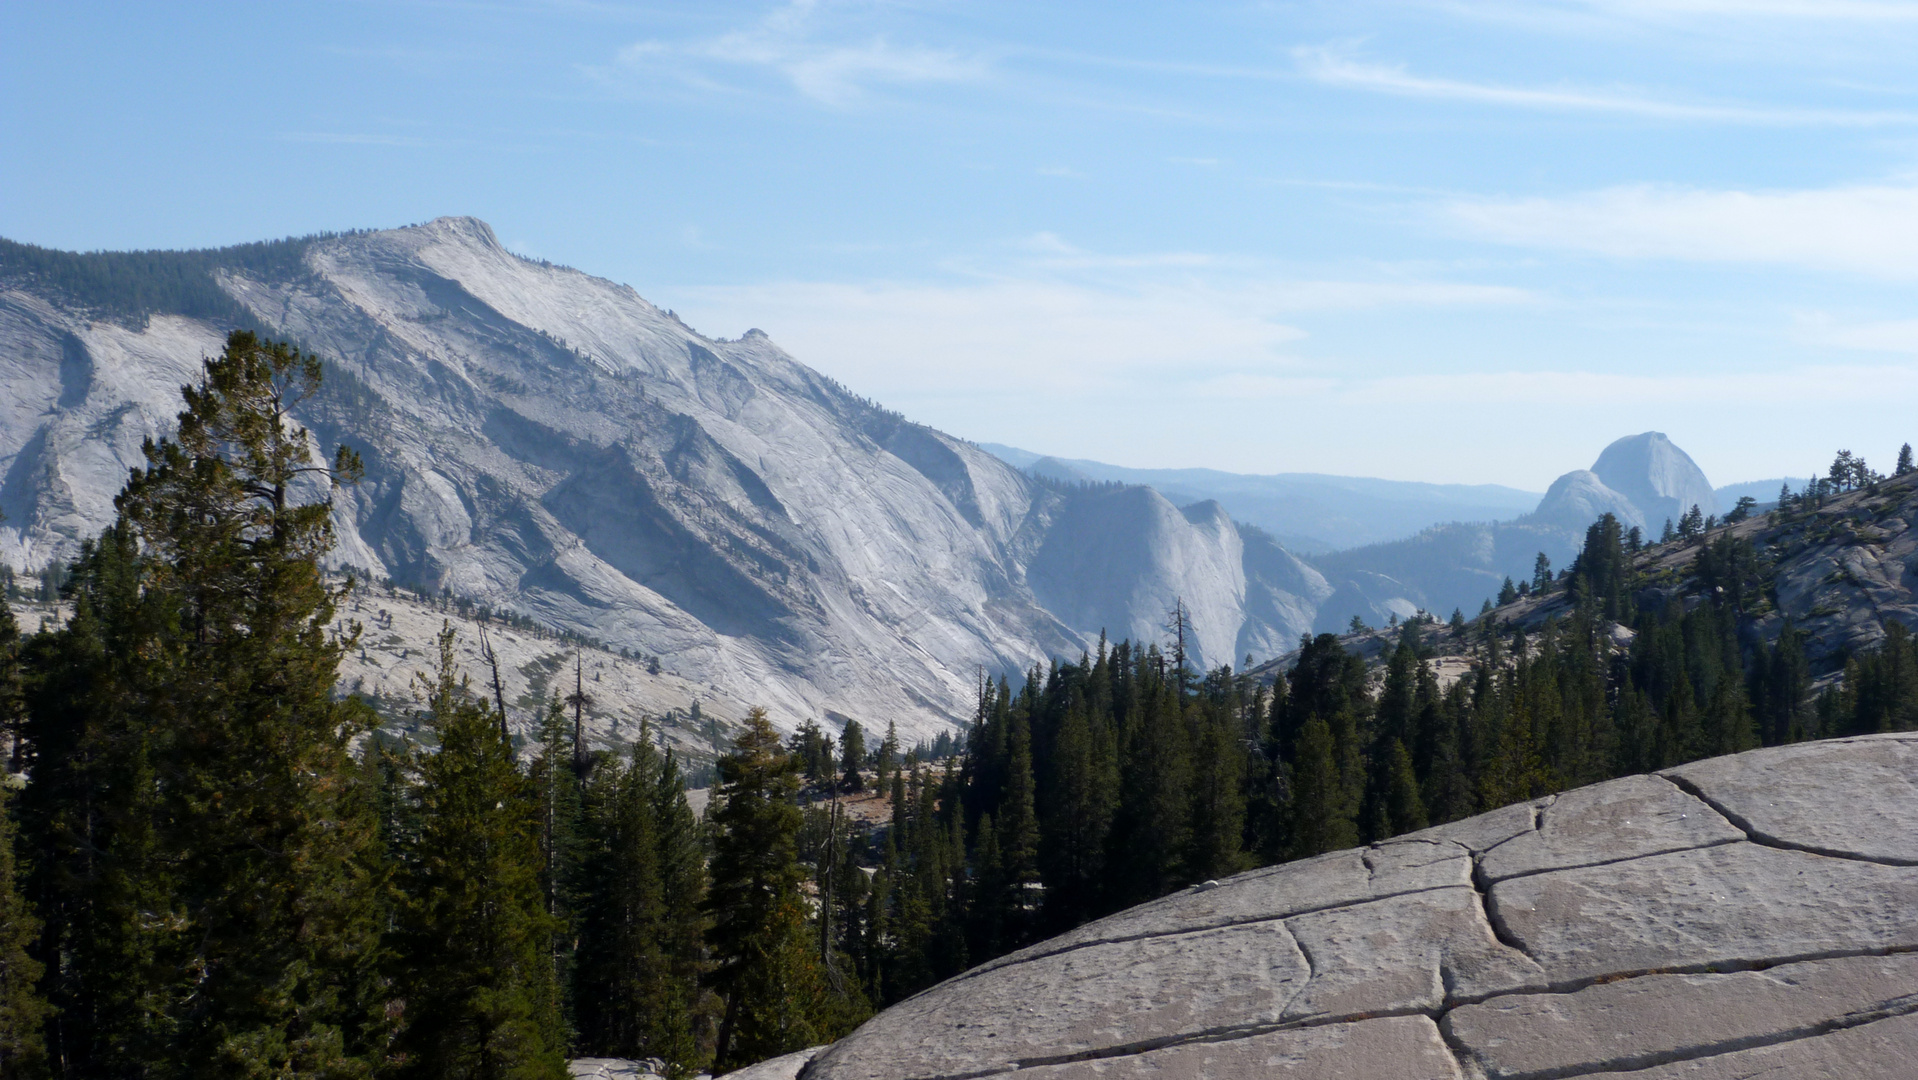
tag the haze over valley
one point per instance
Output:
(861, 540)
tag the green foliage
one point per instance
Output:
(204, 859)
(22, 1009)
(636, 989)
(766, 969)
(476, 972)
(852, 756)
(134, 284)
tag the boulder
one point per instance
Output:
(1743, 916)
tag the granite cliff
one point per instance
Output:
(1643, 480)
(540, 440)
(1735, 917)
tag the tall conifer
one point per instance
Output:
(22, 1049)
(767, 969)
(216, 908)
(481, 1002)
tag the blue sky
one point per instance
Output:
(1459, 241)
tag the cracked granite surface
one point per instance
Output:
(1755, 915)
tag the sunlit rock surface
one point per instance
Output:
(542, 440)
(1754, 915)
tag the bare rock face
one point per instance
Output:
(1754, 915)
(1642, 479)
(541, 440)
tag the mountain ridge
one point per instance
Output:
(542, 440)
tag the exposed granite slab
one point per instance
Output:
(1785, 795)
(1087, 1000)
(1611, 928)
(1732, 904)
(1393, 1048)
(1488, 830)
(1640, 1022)
(1342, 877)
(784, 1067)
(1411, 952)
(1886, 1050)
(1619, 819)
(610, 1069)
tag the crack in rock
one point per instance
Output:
(1885, 1011)
(1148, 935)
(1764, 839)
(1488, 909)
(1523, 874)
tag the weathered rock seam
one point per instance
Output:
(1764, 839)
(1895, 1008)
(1886, 1011)
(1148, 935)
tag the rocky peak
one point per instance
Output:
(547, 442)
(1642, 479)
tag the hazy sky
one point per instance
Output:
(1469, 241)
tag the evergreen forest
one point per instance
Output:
(215, 866)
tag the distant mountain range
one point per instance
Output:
(1307, 512)
(1388, 547)
(540, 440)
(1316, 513)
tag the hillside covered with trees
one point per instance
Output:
(211, 864)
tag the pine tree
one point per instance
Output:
(13, 705)
(1404, 807)
(624, 989)
(766, 969)
(1507, 592)
(1217, 846)
(475, 962)
(207, 865)
(90, 818)
(1019, 830)
(1320, 819)
(22, 1010)
(852, 756)
(685, 1034)
(888, 755)
(1083, 781)
(1904, 461)
(555, 786)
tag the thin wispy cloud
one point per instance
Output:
(1887, 335)
(356, 138)
(1332, 69)
(1821, 10)
(1044, 313)
(1867, 230)
(797, 43)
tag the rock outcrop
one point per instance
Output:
(1641, 479)
(541, 440)
(1735, 917)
